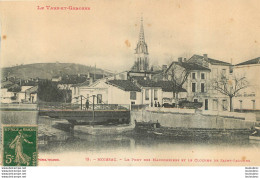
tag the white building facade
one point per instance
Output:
(248, 99)
(199, 83)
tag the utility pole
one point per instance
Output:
(81, 102)
(95, 73)
(93, 109)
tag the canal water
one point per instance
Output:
(58, 146)
(61, 139)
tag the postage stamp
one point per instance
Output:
(20, 145)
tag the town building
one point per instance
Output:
(108, 92)
(19, 94)
(195, 76)
(211, 99)
(31, 94)
(156, 93)
(191, 76)
(135, 91)
(248, 99)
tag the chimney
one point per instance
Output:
(205, 56)
(180, 59)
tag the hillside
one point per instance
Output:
(48, 70)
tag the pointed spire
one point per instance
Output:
(141, 35)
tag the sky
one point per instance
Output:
(107, 34)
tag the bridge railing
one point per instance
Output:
(111, 107)
(72, 106)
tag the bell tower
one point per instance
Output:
(141, 52)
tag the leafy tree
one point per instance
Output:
(49, 92)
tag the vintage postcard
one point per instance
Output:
(132, 83)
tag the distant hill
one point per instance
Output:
(48, 70)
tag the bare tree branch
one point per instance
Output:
(229, 87)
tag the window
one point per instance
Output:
(241, 104)
(215, 104)
(132, 95)
(195, 100)
(202, 75)
(155, 94)
(146, 94)
(99, 98)
(193, 87)
(206, 104)
(75, 90)
(253, 101)
(214, 74)
(224, 105)
(202, 87)
(223, 72)
(193, 75)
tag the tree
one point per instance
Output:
(177, 73)
(229, 86)
(49, 92)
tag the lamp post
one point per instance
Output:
(93, 108)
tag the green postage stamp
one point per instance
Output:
(20, 146)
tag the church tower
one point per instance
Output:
(141, 52)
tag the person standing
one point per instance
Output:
(87, 104)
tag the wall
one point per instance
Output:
(189, 120)
(25, 88)
(252, 92)
(110, 94)
(151, 95)
(6, 96)
(118, 96)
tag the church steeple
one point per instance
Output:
(141, 51)
(141, 45)
(141, 34)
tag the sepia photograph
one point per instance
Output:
(130, 83)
